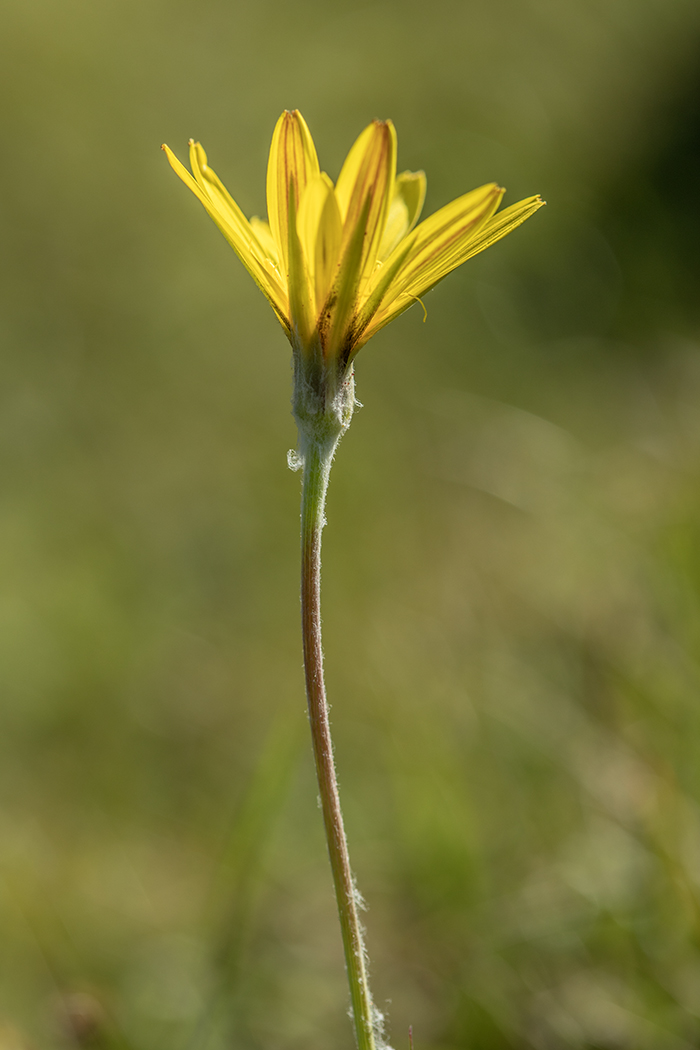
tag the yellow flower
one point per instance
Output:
(337, 263)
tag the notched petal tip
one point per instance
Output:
(293, 116)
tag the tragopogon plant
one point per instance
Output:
(337, 263)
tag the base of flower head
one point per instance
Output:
(322, 403)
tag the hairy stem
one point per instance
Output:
(317, 463)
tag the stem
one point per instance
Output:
(317, 463)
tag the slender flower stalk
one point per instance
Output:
(337, 263)
(317, 462)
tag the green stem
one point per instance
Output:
(317, 463)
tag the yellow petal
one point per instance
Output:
(262, 231)
(481, 237)
(406, 206)
(320, 231)
(219, 197)
(441, 238)
(363, 193)
(262, 242)
(412, 186)
(502, 224)
(338, 314)
(380, 283)
(302, 306)
(365, 187)
(236, 229)
(486, 234)
(292, 162)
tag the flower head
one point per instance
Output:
(338, 262)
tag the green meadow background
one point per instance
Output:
(512, 563)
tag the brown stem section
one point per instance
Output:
(317, 460)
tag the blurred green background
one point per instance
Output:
(512, 564)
